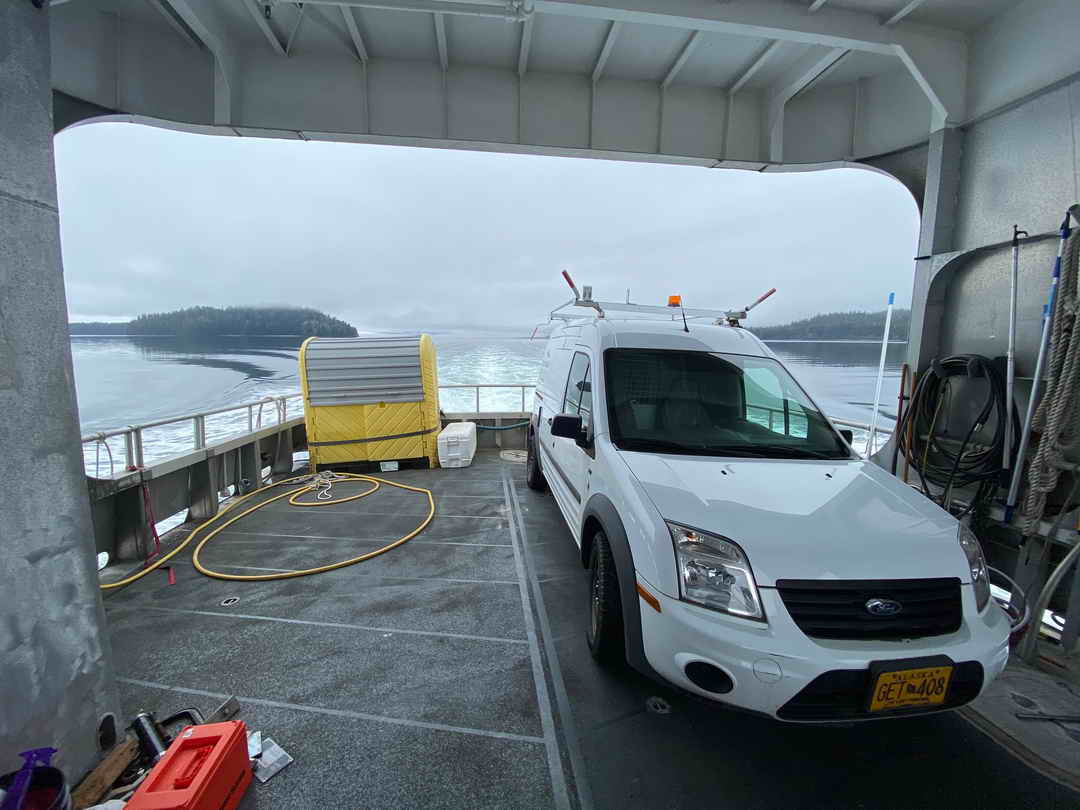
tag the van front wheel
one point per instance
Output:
(534, 477)
(605, 629)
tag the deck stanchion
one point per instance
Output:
(1010, 355)
(880, 377)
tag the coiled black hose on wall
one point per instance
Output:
(943, 461)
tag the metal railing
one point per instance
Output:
(133, 434)
(477, 386)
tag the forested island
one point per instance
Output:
(840, 326)
(210, 321)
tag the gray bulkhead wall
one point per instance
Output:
(55, 679)
(1017, 167)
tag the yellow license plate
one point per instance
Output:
(910, 688)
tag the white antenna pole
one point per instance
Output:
(880, 377)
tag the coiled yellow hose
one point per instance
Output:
(313, 483)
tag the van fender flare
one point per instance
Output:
(602, 510)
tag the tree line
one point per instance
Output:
(207, 321)
(840, 326)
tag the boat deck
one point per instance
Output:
(453, 672)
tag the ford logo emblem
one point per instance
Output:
(883, 607)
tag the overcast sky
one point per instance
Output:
(396, 237)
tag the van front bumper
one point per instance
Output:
(775, 669)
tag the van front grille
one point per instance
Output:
(838, 608)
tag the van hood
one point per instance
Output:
(806, 519)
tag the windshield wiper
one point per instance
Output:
(785, 451)
(666, 446)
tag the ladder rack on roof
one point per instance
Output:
(675, 308)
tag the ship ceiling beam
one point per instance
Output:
(681, 60)
(256, 11)
(440, 41)
(757, 65)
(526, 45)
(505, 10)
(296, 28)
(205, 21)
(166, 12)
(936, 59)
(354, 34)
(898, 16)
(605, 51)
(795, 80)
(832, 27)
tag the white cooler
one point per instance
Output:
(457, 444)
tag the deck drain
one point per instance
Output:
(657, 705)
(230, 601)
(517, 456)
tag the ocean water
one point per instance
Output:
(134, 380)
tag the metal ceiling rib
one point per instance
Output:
(644, 52)
(961, 15)
(553, 42)
(483, 41)
(566, 44)
(857, 65)
(398, 34)
(719, 58)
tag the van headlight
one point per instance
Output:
(715, 573)
(980, 578)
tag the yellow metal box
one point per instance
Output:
(370, 399)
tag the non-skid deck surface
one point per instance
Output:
(453, 672)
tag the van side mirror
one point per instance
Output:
(567, 426)
(849, 437)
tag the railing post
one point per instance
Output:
(477, 389)
(200, 432)
(523, 399)
(129, 449)
(787, 418)
(251, 420)
(139, 461)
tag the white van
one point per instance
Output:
(737, 547)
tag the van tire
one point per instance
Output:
(534, 476)
(604, 631)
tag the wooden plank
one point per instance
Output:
(94, 787)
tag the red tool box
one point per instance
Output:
(205, 768)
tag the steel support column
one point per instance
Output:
(936, 236)
(57, 681)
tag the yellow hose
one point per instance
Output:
(294, 499)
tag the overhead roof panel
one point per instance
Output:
(783, 58)
(718, 59)
(398, 34)
(136, 11)
(882, 8)
(859, 65)
(645, 52)
(322, 31)
(963, 15)
(566, 44)
(482, 41)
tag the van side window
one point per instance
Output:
(578, 396)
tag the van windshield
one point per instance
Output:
(700, 403)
